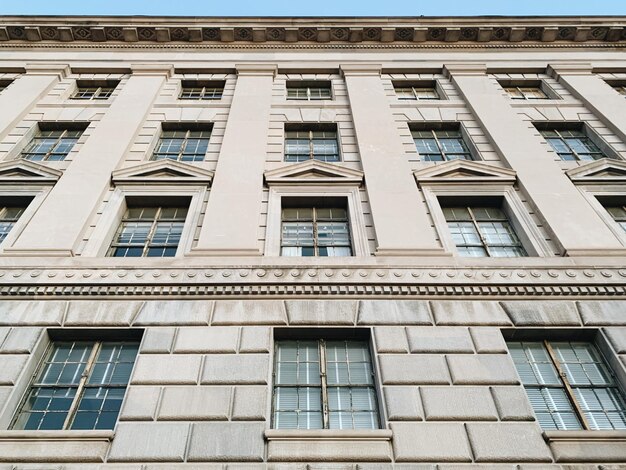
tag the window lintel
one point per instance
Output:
(313, 172)
(162, 172)
(466, 172)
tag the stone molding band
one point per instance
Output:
(435, 33)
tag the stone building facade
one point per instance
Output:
(322, 244)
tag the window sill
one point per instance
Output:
(587, 446)
(329, 445)
(54, 446)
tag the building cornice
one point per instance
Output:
(400, 30)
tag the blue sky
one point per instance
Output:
(312, 7)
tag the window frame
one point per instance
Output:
(582, 126)
(204, 84)
(106, 227)
(99, 85)
(36, 193)
(356, 219)
(47, 126)
(594, 193)
(539, 83)
(311, 128)
(187, 127)
(595, 336)
(416, 85)
(439, 127)
(308, 85)
(527, 232)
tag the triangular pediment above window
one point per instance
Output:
(313, 172)
(464, 171)
(162, 172)
(604, 171)
(23, 171)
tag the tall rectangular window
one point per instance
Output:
(482, 231)
(440, 145)
(185, 145)
(9, 215)
(569, 385)
(314, 143)
(309, 90)
(80, 385)
(315, 231)
(572, 144)
(149, 232)
(321, 384)
(53, 143)
(202, 90)
(416, 91)
(618, 212)
(94, 89)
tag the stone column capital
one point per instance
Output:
(60, 70)
(152, 69)
(556, 70)
(464, 69)
(257, 69)
(361, 69)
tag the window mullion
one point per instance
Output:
(308, 93)
(151, 232)
(480, 234)
(324, 382)
(568, 387)
(56, 144)
(314, 220)
(311, 148)
(81, 385)
(183, 146)
(443, 155)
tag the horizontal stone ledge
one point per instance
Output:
(587, 446)
(328, 434)
(57, 435)
(591, 436)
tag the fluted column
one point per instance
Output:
(400, 220)
(577, 227)
(231, 222)
(56, 227)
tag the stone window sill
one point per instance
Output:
(329, 445)
(587, 446)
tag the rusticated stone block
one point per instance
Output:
(321, 312)
(11, 366)
(255, 339)
(413, 369)
(603, 312)
(434, 442)
(403, 404)
(453, 312)
(542, 313)
(166, 369)
(140, 403)
(617, 338)
(391, 340)
(223, 442)
(101, 313)
(433, 339)
(249, 312)
(21, 340)
(512, 404)
(149, 442)
(250, 404)
(482, 369)
(175, 312)
(215, 339)
(394, 312)
(236, 369)
(488, 340)
(458, 403)
(507, 442)
(16, 312)
(195, 403)
(157, 340)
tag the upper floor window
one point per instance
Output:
(618, 85)
(315, 142)
(525, 89)
(309, 90)
(202, 90)
(321, 384)
(182, 143)
(4, 84)
(315, 231)
(435, 145)
(94, 89)
(618, 212)
(425, 90)
(9, 215)
(53, 141)
(569, 385)
(571, 144)
(149, 232)
(482, 231)
(79, 385)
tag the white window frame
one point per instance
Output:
(591, 193)
(106, 228)
(38, 195)
(522, 223)
(355, 215)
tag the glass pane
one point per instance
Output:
(301, 368)
(45, 408)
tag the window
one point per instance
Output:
(527, 89)
(482, 231)
(572, 144)
(185, 145)
(4, 84)
(149, 232)
(315, 143)
(619, 86)
(322, 384)
(309, 91)
(440, 145)
(619, 215)
(94, 89)
(80, 385)
(315, 231)
(569, 385)
(52, 143)
(202, 90)
(9, 215)
(418, 91)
